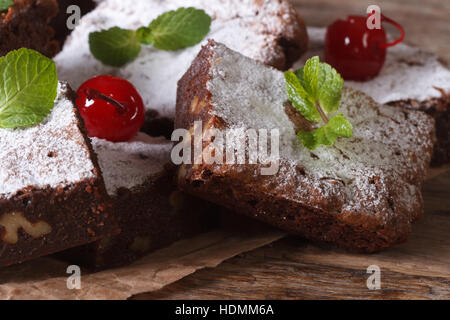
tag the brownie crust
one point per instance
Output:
(26, 24)
(439, 109)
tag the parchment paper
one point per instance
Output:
(46, 278)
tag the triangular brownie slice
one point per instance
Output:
(52, 194)
(361, 194)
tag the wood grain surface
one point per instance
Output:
(293, 268)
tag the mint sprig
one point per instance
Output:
(173, 30)
(115, 46)
(315, 92)
(5, 4)
(28, 88)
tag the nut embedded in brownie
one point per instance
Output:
(361, 194)
(52, 195)
(26, 25)
(150, 210)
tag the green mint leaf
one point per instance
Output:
(323, 83)
(180, 29)
(301, 100)
(28, 88)
(337, 127)
(144, 35)
(329, 91)
(315, 91)
(5, 4)
(115, 47)
(311, 76)
(300, 75)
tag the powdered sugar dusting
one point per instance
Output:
(130, 164)
(49, 155)
(384, 161)
(248, 26)
(409, 72)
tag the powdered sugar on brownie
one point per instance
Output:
(52, 154)
(130, 164)
(250, 27)
(384, 161)
(409, 72)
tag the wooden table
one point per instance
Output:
(296, 269)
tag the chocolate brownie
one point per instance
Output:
(411, 78)
(59, 23)
(26, 25)
(52, 194)
(151, 212)
(269, 31)
(362, 194)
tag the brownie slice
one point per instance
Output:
(151, 212)
(269, 31)
(411, 78)
(52, 195)
(26, 25)
(362, 194)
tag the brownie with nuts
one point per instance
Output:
(52, 194)
(412, 78)
(150, 210)
(362, 194)
(27, 25)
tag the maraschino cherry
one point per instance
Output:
(111, 107)
(354, 50)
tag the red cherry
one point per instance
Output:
(111, 107)
(354, 50)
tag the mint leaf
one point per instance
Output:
(301, 100)
(323, 83)
(115, 47)
(144, 35)
(311, 76)
(5, 4)
(28, 88)
(337, 127)
(329, 88)
(172, 30)
(180, 29)
(315, 91)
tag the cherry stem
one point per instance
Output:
(322, 113)
(399, 27)
(94, 94)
